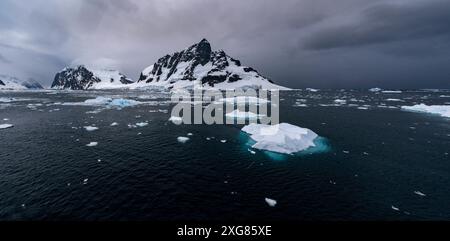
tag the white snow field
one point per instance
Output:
(282, 138)
(442, 110)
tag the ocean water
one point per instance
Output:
(374, 161)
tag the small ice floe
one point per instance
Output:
(420, 193)
(142, 124)
(442, 110)
(281, 138)
(363, 108)
(85, 181)
(375, 90)
(223, 141)
(251, 151)
(190, 134)
(346, 152)
(395, 208)
(114, 124)
(395, 100)
(163, 111)
(140, 133)
(339, 101)
(332, 182)
(208, 138)
(243, 100)
(365, 153)
(312, 90)
(106, 101)
(270, 202)
(183, 139)
(391, 91)
(237, 114)
(5, 119)
(6, 126)
(92, 144)
(176, 120)
(99, 160)
(90, 128)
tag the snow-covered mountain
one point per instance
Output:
(13, 83)
(200, 67)
(82, 78)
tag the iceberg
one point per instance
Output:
(442, 110)
(237, 114)
(6, 126)
(142, 124)
(270, 202)
(106, 101)
(92, 144)
(281, 138)
(90, 128)
(182, 139)
(243, 100)
(176, 120)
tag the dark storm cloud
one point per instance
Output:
(298, 43)
(387, 22)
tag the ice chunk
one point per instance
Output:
(442, 110)
(338, 101)
(124, 103)
(237, 114)
(223, 141)
(106, 101)
(270, 202)
(312, 90)
(176, 120)
(92, 144)
(183, 139)
(90, 128)
(282, 138)
(391, 91)
(114, 124)
(142, 124)
(375, 90)
(420, 193)
(244, 100)
(6, 126)
(395, 208)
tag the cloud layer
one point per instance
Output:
(297, 43)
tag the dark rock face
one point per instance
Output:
(78, 78)
(32, 84)
(1, 82)
(81, 78)
(184, 63)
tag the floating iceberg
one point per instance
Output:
(237, 114)
(375, 90)
(270, 202)
(90, 128)
(6, 126)
(92, 144)
(282, 138)
(176, 120)
(243, 100)
(142, 124)
(442, 110)
(183, 139)
(106, 101)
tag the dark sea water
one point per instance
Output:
(377, 158)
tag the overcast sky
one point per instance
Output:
(297, 43)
